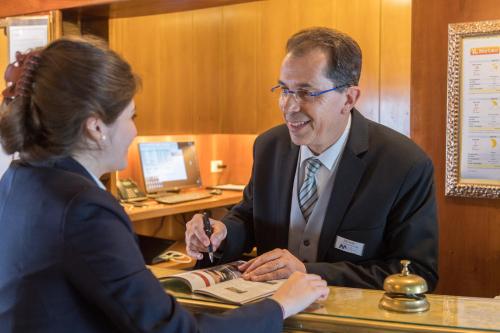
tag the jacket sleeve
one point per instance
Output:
(240, 234)
(411, 233)
(102, 261)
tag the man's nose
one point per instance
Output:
(289, 104)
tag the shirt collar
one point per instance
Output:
(330, 155)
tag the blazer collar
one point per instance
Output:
(72, 165)
(65, 163)
(358, 137)
(287, 166)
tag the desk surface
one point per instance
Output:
(356, 310)
(154, 209)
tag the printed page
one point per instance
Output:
(480, 118)
(203, 278)
(240, 291)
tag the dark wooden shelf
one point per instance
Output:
(108, 8)
(16, 7)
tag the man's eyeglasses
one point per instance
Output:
(302, 95)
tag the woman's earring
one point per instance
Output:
(103, 137)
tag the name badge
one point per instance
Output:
(347, 245)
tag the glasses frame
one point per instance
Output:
(308, 93)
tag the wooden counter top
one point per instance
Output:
(153, 209)
(356, 310)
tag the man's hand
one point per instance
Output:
(196, 239)
(272, 265)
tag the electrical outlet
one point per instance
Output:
(215, 166)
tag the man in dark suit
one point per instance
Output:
(331, 192)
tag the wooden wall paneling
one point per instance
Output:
(176, 73)
(469, 248)
(237, 153)
(235, 150)
(238, 56)
(239, 68)
(56, 25)
(164, 62)
(4, 55)
(275, 27)
(128, 37)
(76, 24)
(279, 20)
(361, 20)
(395, 64)
(469, 262)
(207, 70)
(313, 13)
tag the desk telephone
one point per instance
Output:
(129, 191)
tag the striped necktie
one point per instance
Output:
(308, 194)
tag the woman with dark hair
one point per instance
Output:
(68, 257)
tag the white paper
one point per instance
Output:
(4, 162)
(480, 111)
(24, 34)
(25, 37)
(241, 291)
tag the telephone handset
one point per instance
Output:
(129, 191)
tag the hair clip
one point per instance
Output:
(19, 75)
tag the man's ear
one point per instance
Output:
(352, 96)
(95, 129)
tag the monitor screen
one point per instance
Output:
(169, 165)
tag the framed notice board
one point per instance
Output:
(473, 110)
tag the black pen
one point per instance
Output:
(208, 231)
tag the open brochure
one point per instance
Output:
(225, 282)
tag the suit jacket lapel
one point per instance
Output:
(349, 173)
(286, 166)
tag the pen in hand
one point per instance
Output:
(208, 231)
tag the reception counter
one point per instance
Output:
(356, 310)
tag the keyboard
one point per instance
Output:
(182, 197)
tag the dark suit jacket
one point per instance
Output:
(383, 197)
(69, 262)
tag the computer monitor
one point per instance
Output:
(169, 166)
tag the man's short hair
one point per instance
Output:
(344, 54)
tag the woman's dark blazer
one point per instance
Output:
(69, 262)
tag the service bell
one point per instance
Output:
(404, 292)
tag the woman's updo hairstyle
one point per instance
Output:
(72, 79)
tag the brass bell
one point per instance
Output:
(404, 292)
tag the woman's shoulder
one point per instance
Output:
(54, 187)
